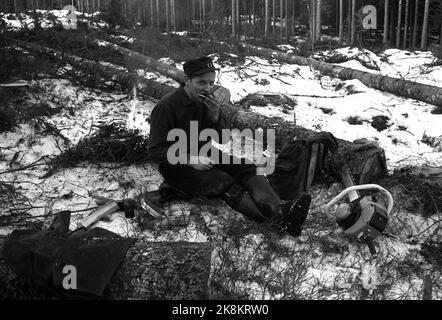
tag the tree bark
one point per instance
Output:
(318, 19)
(233, 19)
(406, 23)
(238, 19)
(203, 9)
(151, 13)
(398, 31)
(293, 18)
(266, 22)
(312, 22)
(281, 13)
(286, 20)
(167, 16)
(174, 16)
(341, 21)
(385, 22)
(425, 26)
(353, 22)
(273, 15)
(149, 271)
(180, 269)
(440, 37)
(158, 14)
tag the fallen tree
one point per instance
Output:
(400, 87)
(367, 164)
(146, 62)
(404, 88)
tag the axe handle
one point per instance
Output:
(99, 213)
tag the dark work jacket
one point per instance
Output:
(176, 110)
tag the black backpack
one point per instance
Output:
(299, 162)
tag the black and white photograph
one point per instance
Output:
(222, 155)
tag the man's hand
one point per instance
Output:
(201, 163)
(212, 104)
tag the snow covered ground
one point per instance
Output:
(328, 265)
(327, 104)
(418, 66)
(50, 18)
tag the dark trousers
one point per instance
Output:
(209, 183)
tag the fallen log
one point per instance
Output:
(400, 87)
(371, 165)
(163, 270)
(125, 79)
(147, 62)
(367, 164)
(404, 88)
(150, 270)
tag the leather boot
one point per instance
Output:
(238, 199)
(265, 197)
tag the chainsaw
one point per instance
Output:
(363, 219)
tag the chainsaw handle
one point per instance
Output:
(363, 187)
(371, 246)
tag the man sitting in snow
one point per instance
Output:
(236, 182)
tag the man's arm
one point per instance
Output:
(161, 122)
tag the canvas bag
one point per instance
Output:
(292, 164)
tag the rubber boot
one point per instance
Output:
(238, 199)
(265, 197)
(295, 213)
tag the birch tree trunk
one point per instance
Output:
(341, 21)
(398, 31)
(406, 23)
(385, 22)
(425, 26)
